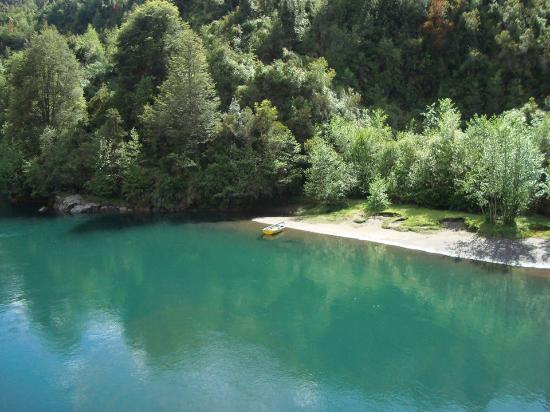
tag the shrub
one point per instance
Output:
(329, 178)
(378, 199)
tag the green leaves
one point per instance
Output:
(329, 177)
(184, 115)
(378, 199)
(504, 165)
(145, 45)
(45, 90)
(253, 157)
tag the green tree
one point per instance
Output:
(329, 177)
(434, 172)
(230, 68)
(74, 16)
(295, 18)
(253, 157)
(44, 90)
(183, 117)
(401, 177)
(17, 24)
(118, 153)
(301, 89)
(199, 12)
(91, 54)
(504, 165)
(3, 96)
(11, 168)
(64, 164)
(361, 141)
(145, 44)
(378, 199)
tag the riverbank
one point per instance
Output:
(452, 242)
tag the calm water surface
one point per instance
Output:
(126, 314)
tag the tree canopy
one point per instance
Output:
(44, 90)
(228, 103)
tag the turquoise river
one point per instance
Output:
(122, 313)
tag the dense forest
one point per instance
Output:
(228, 103)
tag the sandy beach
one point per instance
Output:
(528, 253)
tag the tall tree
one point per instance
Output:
(329, 178)
(3, 95)
(185, 113)
(45, 90)
(145, 44)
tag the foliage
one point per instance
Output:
(361, 141)
(433, 173)
(255, 157)
(184, 115)
(300, 89)
(92, 56)
(76, 16)
(199, 12)
(144, 46)
(65, 163)
(116, 159)
(45, 90)
(230, 68)
(504, 165)
(17, 24)
(329, 177)
(11, 167)
(256, 101)
(378, 200)
(3, 95)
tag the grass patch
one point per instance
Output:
(525, 226)
(420, 219)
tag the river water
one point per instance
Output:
(132, 314)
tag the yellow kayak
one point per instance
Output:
(273, 229)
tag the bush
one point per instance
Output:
(137, 185)
(329, 178)
(378, 198)
(504, 165)
(11, 163)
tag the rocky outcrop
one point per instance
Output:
(74, 205)
(77, 205)
(64, 204)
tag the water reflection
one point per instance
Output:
(210, 316)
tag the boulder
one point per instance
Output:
(64, 204)
(43, 210)
(74, 205)
(359, 218)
